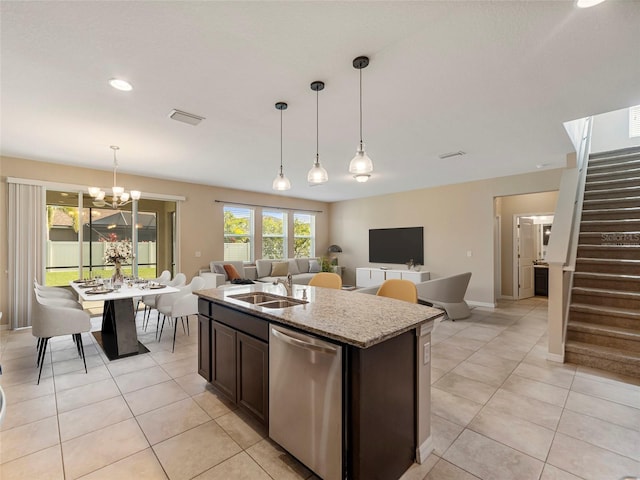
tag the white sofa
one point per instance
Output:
(297, 267)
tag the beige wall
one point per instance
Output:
(507, 207)
(201, 219)
(457, 219)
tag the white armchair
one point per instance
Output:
(447, 293)
(56, 292)
(52, 320)
(180, 305)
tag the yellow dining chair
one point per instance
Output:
(399, 289)
(327, 280)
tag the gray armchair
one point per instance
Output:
(446, 293)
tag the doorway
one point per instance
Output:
(530, 238)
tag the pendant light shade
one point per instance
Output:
(361, 165)
(317, 175)
(281, 182)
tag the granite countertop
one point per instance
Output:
(357, 319)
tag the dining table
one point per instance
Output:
(118, 337)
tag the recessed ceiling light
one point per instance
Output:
(588, 3)
(119, 84)
(459, 153)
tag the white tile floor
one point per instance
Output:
(499, 411)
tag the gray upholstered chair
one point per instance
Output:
(51, 319)
(446, 293)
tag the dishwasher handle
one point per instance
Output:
(302, 344)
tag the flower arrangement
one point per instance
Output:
(118, 252)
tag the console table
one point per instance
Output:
(371, 277)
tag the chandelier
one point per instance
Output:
(119, 197)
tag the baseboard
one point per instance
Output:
(507, 297)
(424, 450)
(556, 357)
(473, 303)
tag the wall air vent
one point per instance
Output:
(459, 153)
(185, 117)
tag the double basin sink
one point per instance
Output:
(267, 300)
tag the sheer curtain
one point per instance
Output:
(26, 235)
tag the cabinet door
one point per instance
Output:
(204, 347)
(223, 359)
(253, 375)
(377, 277)
(363, 277)
(397, 274)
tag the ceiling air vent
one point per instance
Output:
(459, 153)
(185, 117)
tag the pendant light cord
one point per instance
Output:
(317, 129)
(280, 142)
(360, 105)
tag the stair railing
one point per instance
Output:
(563, 245)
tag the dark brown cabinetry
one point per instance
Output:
(541, 281)
(238, 357)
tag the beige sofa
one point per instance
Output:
(299, 268)
(215, 269)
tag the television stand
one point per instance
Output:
(371, 277)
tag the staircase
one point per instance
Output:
(603, 330)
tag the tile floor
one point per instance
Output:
(499, 411)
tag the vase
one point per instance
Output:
(118, 277)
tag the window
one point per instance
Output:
(304, 235)
(274, 234)
(634, 121)
(238, 233)
(99, 227)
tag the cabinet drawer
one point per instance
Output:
(243, 322)
(204, 307)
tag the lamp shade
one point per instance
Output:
(334, 249)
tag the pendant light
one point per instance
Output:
(361, 165)
(281, 182)
(119, 197)
(317, 175)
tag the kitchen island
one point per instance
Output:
(361, 394)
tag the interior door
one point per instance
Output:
(526, 254)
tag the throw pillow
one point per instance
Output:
(314, 266)
(232, 273)
(218, 268)
(293, 267)
(279, 269)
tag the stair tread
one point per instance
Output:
(607, 246)
(613, 181)
(614, 311)
(606, 330)
(595, 201)
(623, 220)
(613, 210)
(625, 356)
(613, 261)
(608, 276)
(606, 292)
(635, 169)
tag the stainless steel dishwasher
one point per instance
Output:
(305, 399)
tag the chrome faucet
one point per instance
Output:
(288, 284)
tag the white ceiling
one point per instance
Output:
(494, 79)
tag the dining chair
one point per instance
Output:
(60, 292)
(180, 305)
(399, 289)
(151, 300)
(164, 277)
(51, 319)
(327, 280)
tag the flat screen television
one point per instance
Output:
(396, 245)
